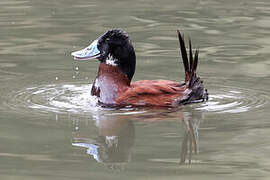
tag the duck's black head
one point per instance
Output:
(113, 47)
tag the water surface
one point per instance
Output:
(52, 128)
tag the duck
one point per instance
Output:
(113, 84)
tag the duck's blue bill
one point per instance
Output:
(90, 52)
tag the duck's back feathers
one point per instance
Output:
(153, 93)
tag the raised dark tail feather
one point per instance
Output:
(198, 92)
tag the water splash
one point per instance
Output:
(59, 98)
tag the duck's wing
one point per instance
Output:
(152, 93)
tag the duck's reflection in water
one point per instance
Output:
(116, 135)
(113, 144)
(190, 142)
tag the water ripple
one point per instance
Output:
(76, 98)
(59, 98)
(227, 99)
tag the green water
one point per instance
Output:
(50, 127)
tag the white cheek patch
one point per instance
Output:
(111, 60)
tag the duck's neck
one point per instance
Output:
(109, 82)
(124, 58)
(128, 64)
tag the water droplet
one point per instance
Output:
(56, 78)
(73, 77)
(86, 77)
(77, 68)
